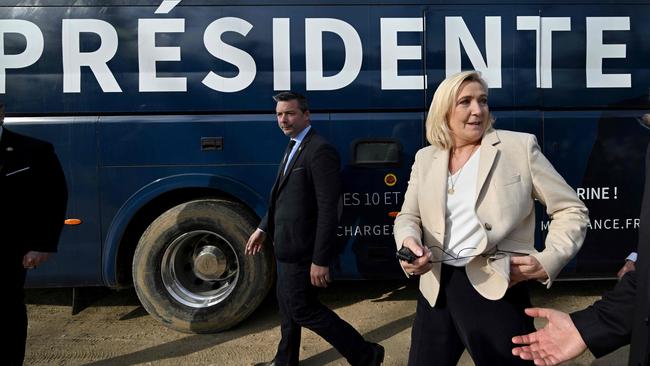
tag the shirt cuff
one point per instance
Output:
(631, 257)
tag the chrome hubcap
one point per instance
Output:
(210, 263)
(200, 268)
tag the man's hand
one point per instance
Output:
(33, 258)
(320, 276)
(627, 267)
(524, 268)
(421, 265)
(557, 342)
(255, 242)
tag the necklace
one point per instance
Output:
(451, 183)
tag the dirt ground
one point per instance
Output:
(115, 330)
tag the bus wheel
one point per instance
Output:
(190, 271)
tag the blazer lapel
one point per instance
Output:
(485, 166)
(488, 156)
(434, 191)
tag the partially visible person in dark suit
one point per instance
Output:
(616, 155)
(301, 222)
(34, 198)
(619, 318)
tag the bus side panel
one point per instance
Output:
(142, 157)
(372, 193)
(78, 260)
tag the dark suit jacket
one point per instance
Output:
(621, 317)
(34, 195)
(302, 214)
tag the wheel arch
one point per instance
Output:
(152, 200)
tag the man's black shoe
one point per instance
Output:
(271, 363)
(268, 363)
(377, 354)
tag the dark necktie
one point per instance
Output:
(285, 159)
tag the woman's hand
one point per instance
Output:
(421, 265)
(526, 268)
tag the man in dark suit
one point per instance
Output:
(619, 318)
(301, 220)
(34, 197)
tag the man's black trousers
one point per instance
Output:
(17, 312)
(300, 307)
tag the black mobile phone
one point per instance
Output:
(405, 254)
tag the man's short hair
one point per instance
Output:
(287, 96)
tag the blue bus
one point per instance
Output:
(161, 114)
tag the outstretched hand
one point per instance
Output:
(557, 342)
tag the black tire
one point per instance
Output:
(170, 282)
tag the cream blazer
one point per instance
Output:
(512, 173)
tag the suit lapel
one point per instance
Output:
(294, 159)
(6, 148)
(278, 175)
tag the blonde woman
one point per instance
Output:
(468, 215)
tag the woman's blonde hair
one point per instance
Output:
(437, 123)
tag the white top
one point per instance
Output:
(463, 229)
